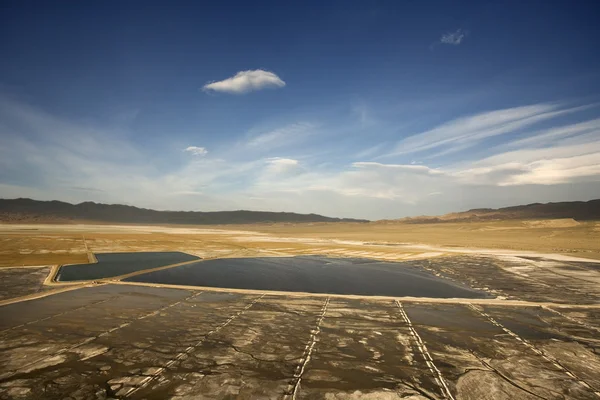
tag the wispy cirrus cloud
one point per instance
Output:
(462, 133)
(246, 81)
(412, 168)
(454, 38)
(560, 133)
(551, 171)
(280, 137)
(196, 151)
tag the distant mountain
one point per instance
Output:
(28, 210)
(577, 210)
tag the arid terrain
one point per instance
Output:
(534, 336)
(36, 244)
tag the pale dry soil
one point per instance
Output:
(123, 341)
(28, 244)
(21, 281)
(539, 339)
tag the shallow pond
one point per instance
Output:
(313, 274)
(115, 264)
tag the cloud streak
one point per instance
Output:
(281, 137)
(245, 82)
(560, 133)
(465, 132)
(411, 168)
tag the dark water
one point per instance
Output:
(115, 264)
(312, 274)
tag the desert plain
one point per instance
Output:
(533, 334)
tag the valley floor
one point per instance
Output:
(538, 337)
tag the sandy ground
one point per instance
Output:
(69, 244)
(537, 338)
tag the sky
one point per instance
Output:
(366, 109)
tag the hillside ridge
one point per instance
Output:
(577, 210)
(28, 210)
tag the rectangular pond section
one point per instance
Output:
(313, 274)
(116, 264)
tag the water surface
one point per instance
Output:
(115, 264)
(313, 274)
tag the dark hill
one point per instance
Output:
(578, 210)
(28, 210)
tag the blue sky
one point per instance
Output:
(351, 108)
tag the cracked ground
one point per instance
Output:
(117, 341)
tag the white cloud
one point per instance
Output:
(466, 132)
(559, 133)
(528, 155)
(196, 151)
(280, 165)
(370, 151)
(246, 81)
(404, 184)
(280, 137)
(454, 38)
(282, 161)
(557, 164)
(540, 172)
(412, 168)
(556, 171)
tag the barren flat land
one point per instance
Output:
(508, 310)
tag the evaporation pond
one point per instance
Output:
(115, 264)
(313, 274)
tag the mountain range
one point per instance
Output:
(32, 211)
(28, 210)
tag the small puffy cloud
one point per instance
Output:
(246, 81)
(196, 151)
(282, 162)
(280, 165)
(454, 38)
